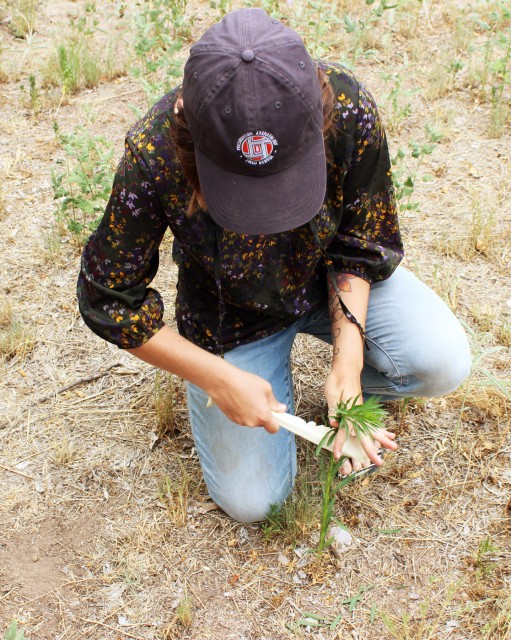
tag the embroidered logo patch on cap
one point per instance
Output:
(257, 148)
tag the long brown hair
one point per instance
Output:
(185, 149)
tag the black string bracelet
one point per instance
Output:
(333, 277)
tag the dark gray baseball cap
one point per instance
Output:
(252, 101)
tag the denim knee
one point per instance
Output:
(252, 508)
(442, 370)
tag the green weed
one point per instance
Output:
(183, 618)
(31, 98)
(363, 419)
(424, 623)
(317, 22)
(184, 612)
(397, 103)
(407, 165)
(13, 633)
(484, 563)
(314, 620)
(222, 6)
(301, 511)
(82, 182)
(358, 28)
(161, 28)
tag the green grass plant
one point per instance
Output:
(79, 60)
(433, 610)
(30, 96)
(16, 337)
(22, 17)
(499, 627)
(362, 419)
(301, 512)
(492, 59)
(299, 515)
(174, 495)
(13, 633)
(184, 612)
(164, 403)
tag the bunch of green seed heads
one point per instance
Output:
(360, 420)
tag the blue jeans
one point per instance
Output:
(417, 348)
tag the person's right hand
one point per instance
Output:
(248, 400)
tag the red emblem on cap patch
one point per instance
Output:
(257, 148)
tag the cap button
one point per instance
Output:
(248, 55)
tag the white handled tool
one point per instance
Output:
(316, 432)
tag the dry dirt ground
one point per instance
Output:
(106, 529)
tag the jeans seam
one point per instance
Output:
(291, 439)
(400, 375)
(290, 447)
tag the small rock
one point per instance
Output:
(342, 538)
(115, 591)
(35, 558)
(312, 622)
(242, 535)
(301, 551)
(282, 559)
(302, 575)
(304, 561)
(414, 596)
(452, 624)
(153, 439)
(39, 487)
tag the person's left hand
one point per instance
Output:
(346, 388)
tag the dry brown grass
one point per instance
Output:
(107, 529)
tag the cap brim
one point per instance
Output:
(274, 203)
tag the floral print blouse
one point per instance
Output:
(232, 288)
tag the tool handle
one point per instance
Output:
(316, 432)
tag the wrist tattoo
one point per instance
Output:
(336, 284)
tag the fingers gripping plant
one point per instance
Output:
(360, 420)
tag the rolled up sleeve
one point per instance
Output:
(120, 260)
